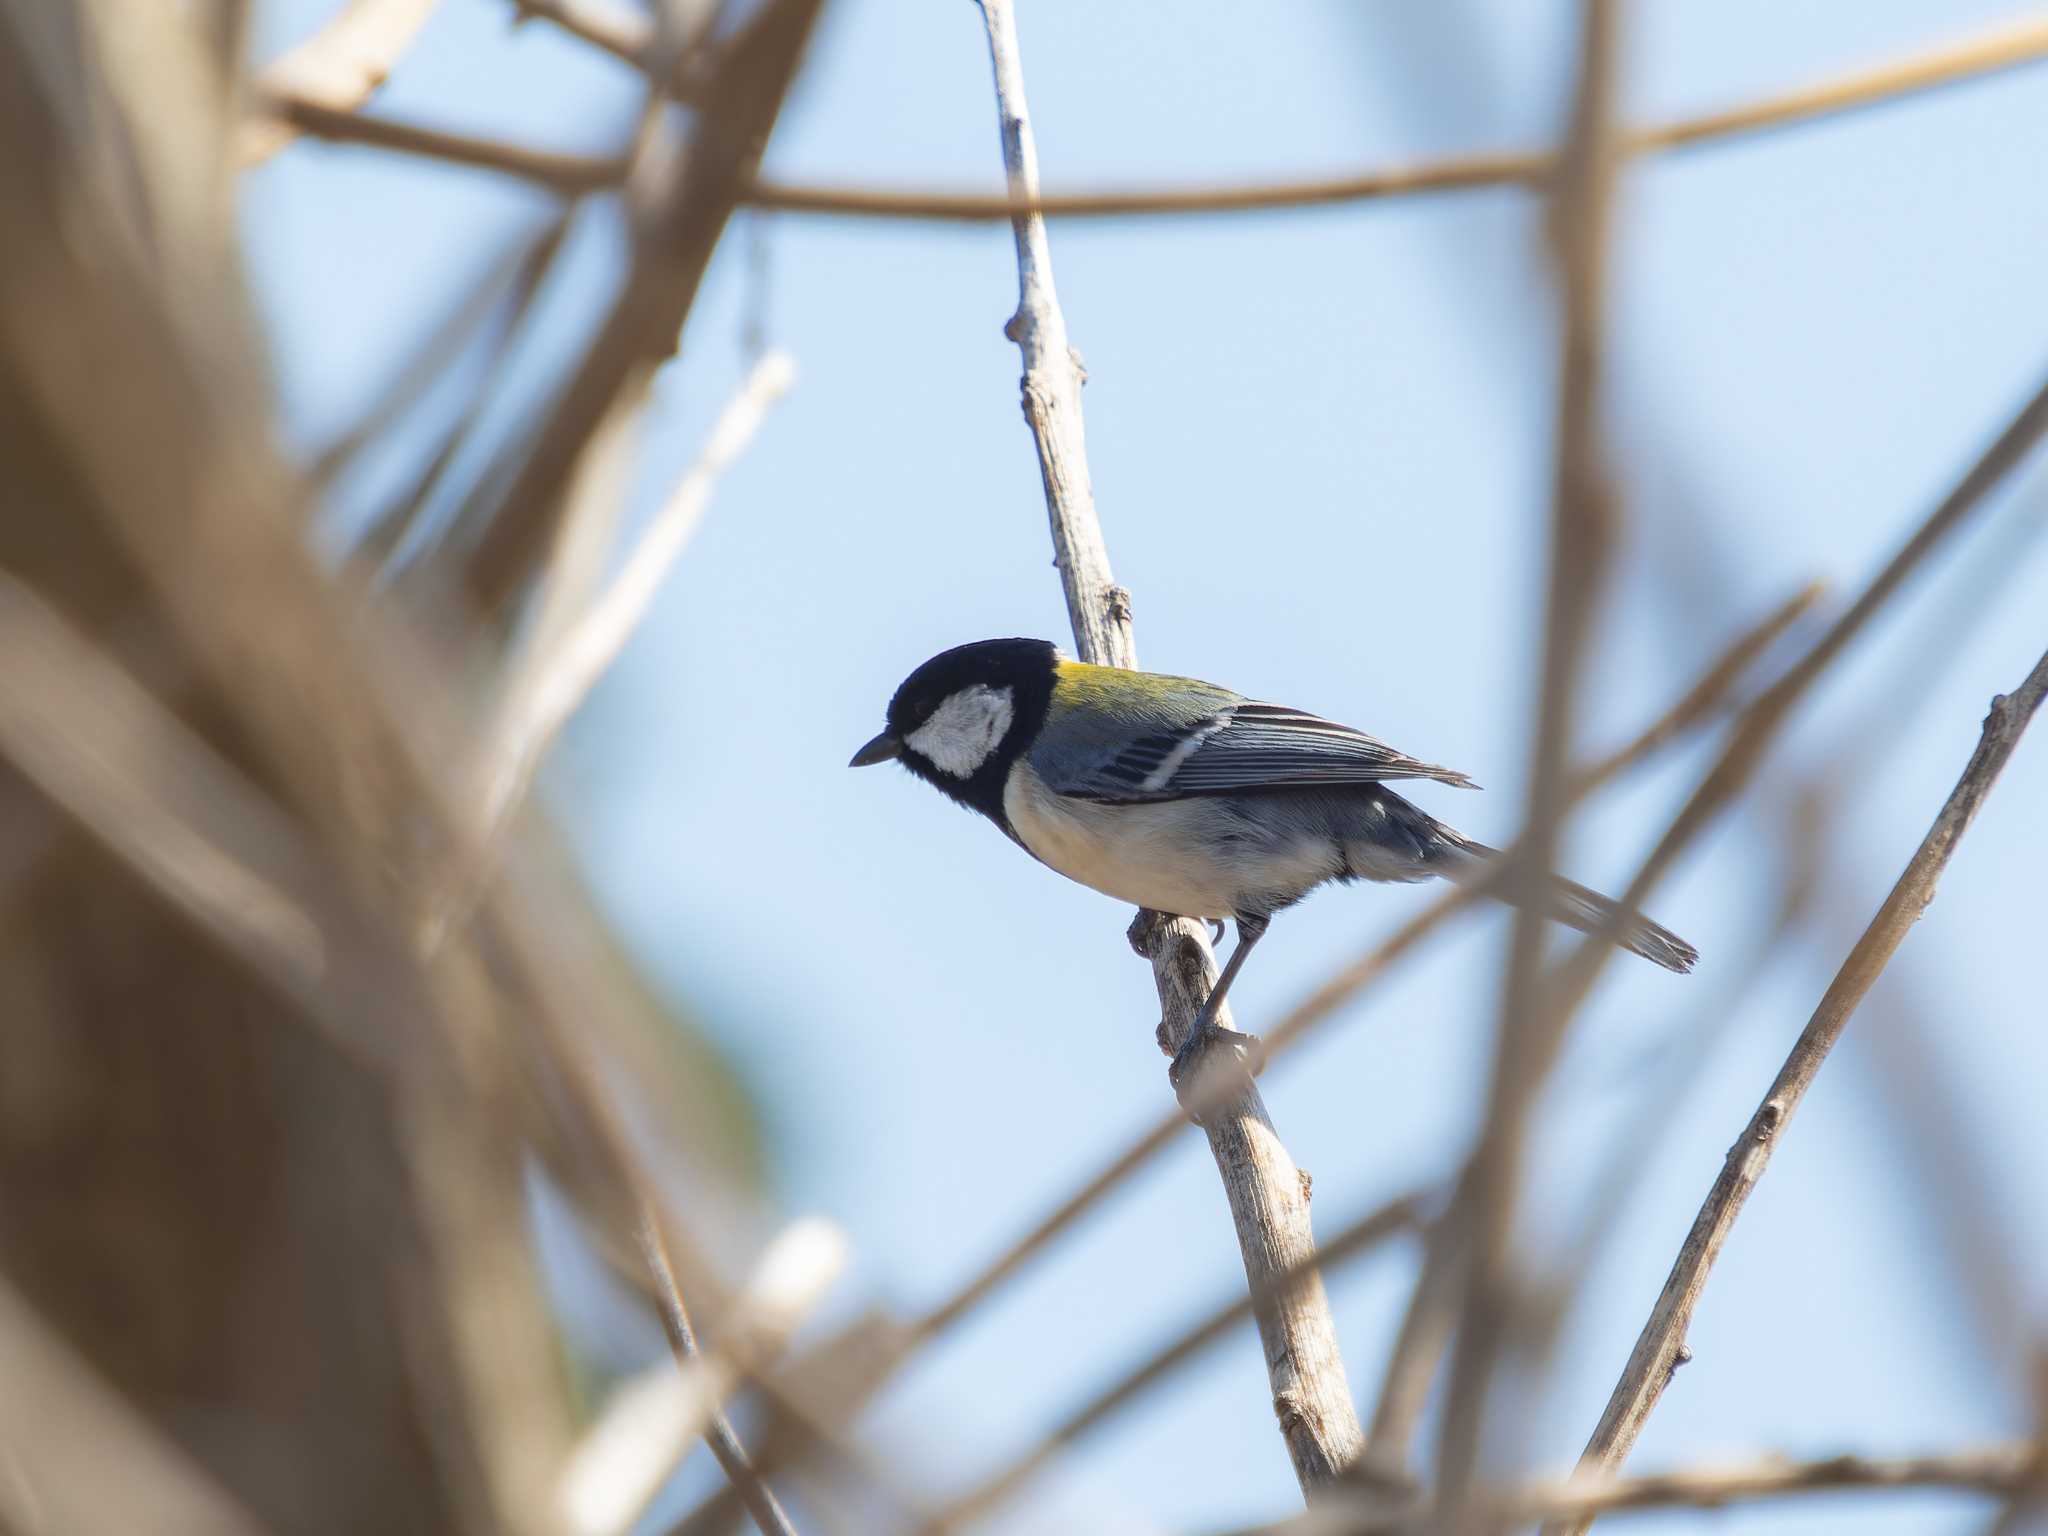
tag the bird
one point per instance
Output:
(1191, 800)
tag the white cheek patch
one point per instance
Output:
(964, 730)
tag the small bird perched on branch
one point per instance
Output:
(1189, 799)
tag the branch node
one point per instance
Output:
(1290, 1413)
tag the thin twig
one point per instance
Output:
(340, 67)
(389, 535)
(1360, 1236)
(2000, 49)
(594, 642)
(1582, 517)
(1650, 1363)
(760, 1500)
(1419, 1345)
(626, 1458)
(624, 34)
(1268, 1198)
(2007, 1469)
(1994, 51)
(513, 275)
(569, 175)
(1714, 691)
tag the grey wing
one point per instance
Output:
(1242, 745)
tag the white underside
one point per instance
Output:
(1146, 855)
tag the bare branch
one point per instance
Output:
(566, 656)
(2007, 47)
(761, 1502)
(593, 643)
(2000, 48)
(1650, 1363)
(1715, 690)
(2007, 1469)
(1582, 517)
(1268, 1200)
(567, 174)
(341, 66)
(622, 1463)
(624, 34)
(1419, 1345)
(508, 285)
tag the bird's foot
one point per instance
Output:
(1209, 1051)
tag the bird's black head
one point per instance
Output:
(960, 720)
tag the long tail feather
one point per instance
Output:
(1588, 911)
(1574, 905)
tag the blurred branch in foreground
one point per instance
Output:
(341, 66)
(1584, 522)
(302, 1253)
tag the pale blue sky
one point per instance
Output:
(1321, 447)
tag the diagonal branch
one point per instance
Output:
(1267, 1194)
(551, 678)
(341, 66)
(760, 1501)
(1651, 1362)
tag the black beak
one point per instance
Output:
(880, 750)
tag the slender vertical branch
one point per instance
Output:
(1268, 1196)
(1581, 517)
(1663, 1336)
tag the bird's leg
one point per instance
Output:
(1206, 1033)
